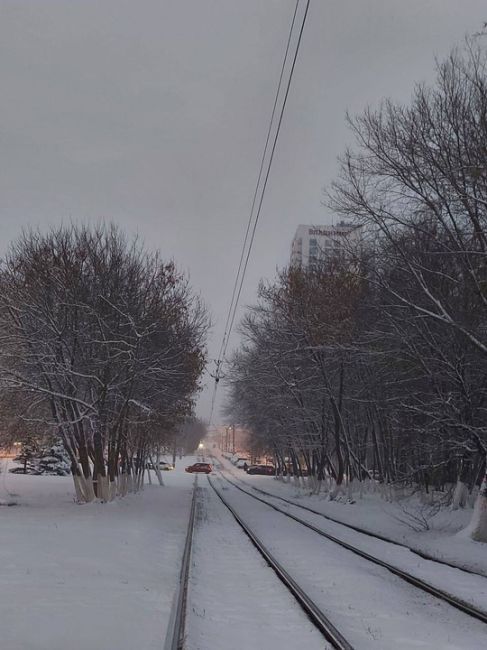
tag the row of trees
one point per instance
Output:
(101, 343)
(374, 364)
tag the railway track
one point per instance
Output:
(359, 529)
(424, 586)
(176, 635)
(316, 615)
(177, 625)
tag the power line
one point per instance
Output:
(249, 222)
(239, 279)
(226, 332)
(268, 171)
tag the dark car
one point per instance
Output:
(265, 470)
(206, 468)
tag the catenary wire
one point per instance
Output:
(254, 199)
(239, 281)
(267, 174)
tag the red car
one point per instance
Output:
(206, 468)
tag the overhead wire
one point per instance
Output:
(267, 173)
(254, 199)
(239, 279)
(226, 332)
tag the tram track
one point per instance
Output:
(314, 613)
(419, 583)
(176, 634)
(358, 529)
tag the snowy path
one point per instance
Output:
(371, 607)
(235, 600)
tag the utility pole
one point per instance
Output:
(233, 436)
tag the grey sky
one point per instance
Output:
(153, 114)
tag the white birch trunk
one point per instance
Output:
(103, 488)
(112, 490)
(477, 528)
(80, 496)
(84, 489)
(350, 489)
(460, 496)
(157, 469)
(336, 491)
(122, 485)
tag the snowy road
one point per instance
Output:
(371, 607)
(235, 600)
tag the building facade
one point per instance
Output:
(315, 244)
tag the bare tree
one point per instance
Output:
(103, 336)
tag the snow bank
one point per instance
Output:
(89, 576)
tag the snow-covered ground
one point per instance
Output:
(105, 575)
(371, 607)
(235, 600)
(89, 576)
(444, 540)
(469, 587)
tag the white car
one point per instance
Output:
(241, 462)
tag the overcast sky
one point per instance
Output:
(154, 114)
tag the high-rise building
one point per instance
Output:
(314, 244)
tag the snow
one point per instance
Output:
(105, 575)
(89, 576)
(444, 540)
(470, 588)
(370, 606)
(235, 599)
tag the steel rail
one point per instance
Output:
(458, 603)
(177, 627)
(319, 619)
(359, 529)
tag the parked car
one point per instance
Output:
(264, 470)
(163, 465)
(206, 468)
(242, 463)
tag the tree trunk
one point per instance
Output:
(461, 489)
(477, 528)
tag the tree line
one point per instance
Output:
(102, 344)
(373, 363)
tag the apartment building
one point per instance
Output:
(314, 244)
